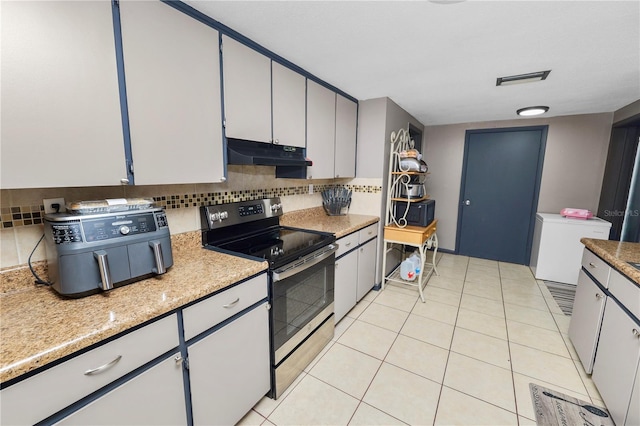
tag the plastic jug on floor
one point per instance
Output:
(417, 262)
(407, 270)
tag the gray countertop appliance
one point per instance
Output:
(90, 253)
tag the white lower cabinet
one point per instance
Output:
(155, 397)
(633, 415)
(346, 280)
(229, 369)
(616, 362)
(89, 372)
(366, 268)
(586, 319)
(355, 275)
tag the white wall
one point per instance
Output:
(377, 119)
(575, 157)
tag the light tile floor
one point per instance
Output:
(464, 357)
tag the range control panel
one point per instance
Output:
(223, 215)
(248, 210)
(106, 227)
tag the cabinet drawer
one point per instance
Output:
(627, 292)
(596, 267)
(68, 382)
(367, 233)
(212, 311)
(347, 243)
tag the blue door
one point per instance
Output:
(499, 192)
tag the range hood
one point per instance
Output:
(265, 154)
(290, 161)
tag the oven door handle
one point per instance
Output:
(306, 263)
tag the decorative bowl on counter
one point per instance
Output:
(336, 201)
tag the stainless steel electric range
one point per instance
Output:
(301, 278)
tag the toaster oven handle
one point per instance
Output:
(157, 254)
(105, 272)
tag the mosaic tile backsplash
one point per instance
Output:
(15, 216)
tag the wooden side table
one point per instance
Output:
(423, 238)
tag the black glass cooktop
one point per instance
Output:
(279, 245)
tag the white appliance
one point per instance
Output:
(556, 253)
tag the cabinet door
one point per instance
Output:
(172, 71)
(155, 397)
(616, 360)
(321, 127)
(586, 318)
(366, 268)
(633, 415)
(345, 285)
(289, 98)
(60, 99)
(346, 124)
(247, 92)
(229, 369)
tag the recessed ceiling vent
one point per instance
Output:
(522, 78)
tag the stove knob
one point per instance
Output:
(281, 251)
(124, 229)
(214, 217)
(276, 207)
(223, 216)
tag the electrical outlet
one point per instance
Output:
(310, 189)
(49, 202)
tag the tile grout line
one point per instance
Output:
(513, 379)
(446, 364)
(381, 363)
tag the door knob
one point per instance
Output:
(467, 202)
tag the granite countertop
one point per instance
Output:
(37, 326)
(617, 254)
(317, 219)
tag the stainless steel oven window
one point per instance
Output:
(297, 302)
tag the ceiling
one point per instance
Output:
(440, 61)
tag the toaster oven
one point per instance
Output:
(419, 213)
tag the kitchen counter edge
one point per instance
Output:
(617, 254)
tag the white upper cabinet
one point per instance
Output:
(331, 133)
(61, 121)
(289, 96)
(346, 123)
(247, 92)
(172, 71)
(321, 129)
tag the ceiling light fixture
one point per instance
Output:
(522, 78)
(531, 111)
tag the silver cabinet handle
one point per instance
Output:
(306, 263)
(178, 359)
(347, 244)
(103, 266)
(636, 333)
(157, 255)
(232, 304)
(593, 265)
(599, 296)
(102, 368)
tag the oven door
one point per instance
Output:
(302, 299)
